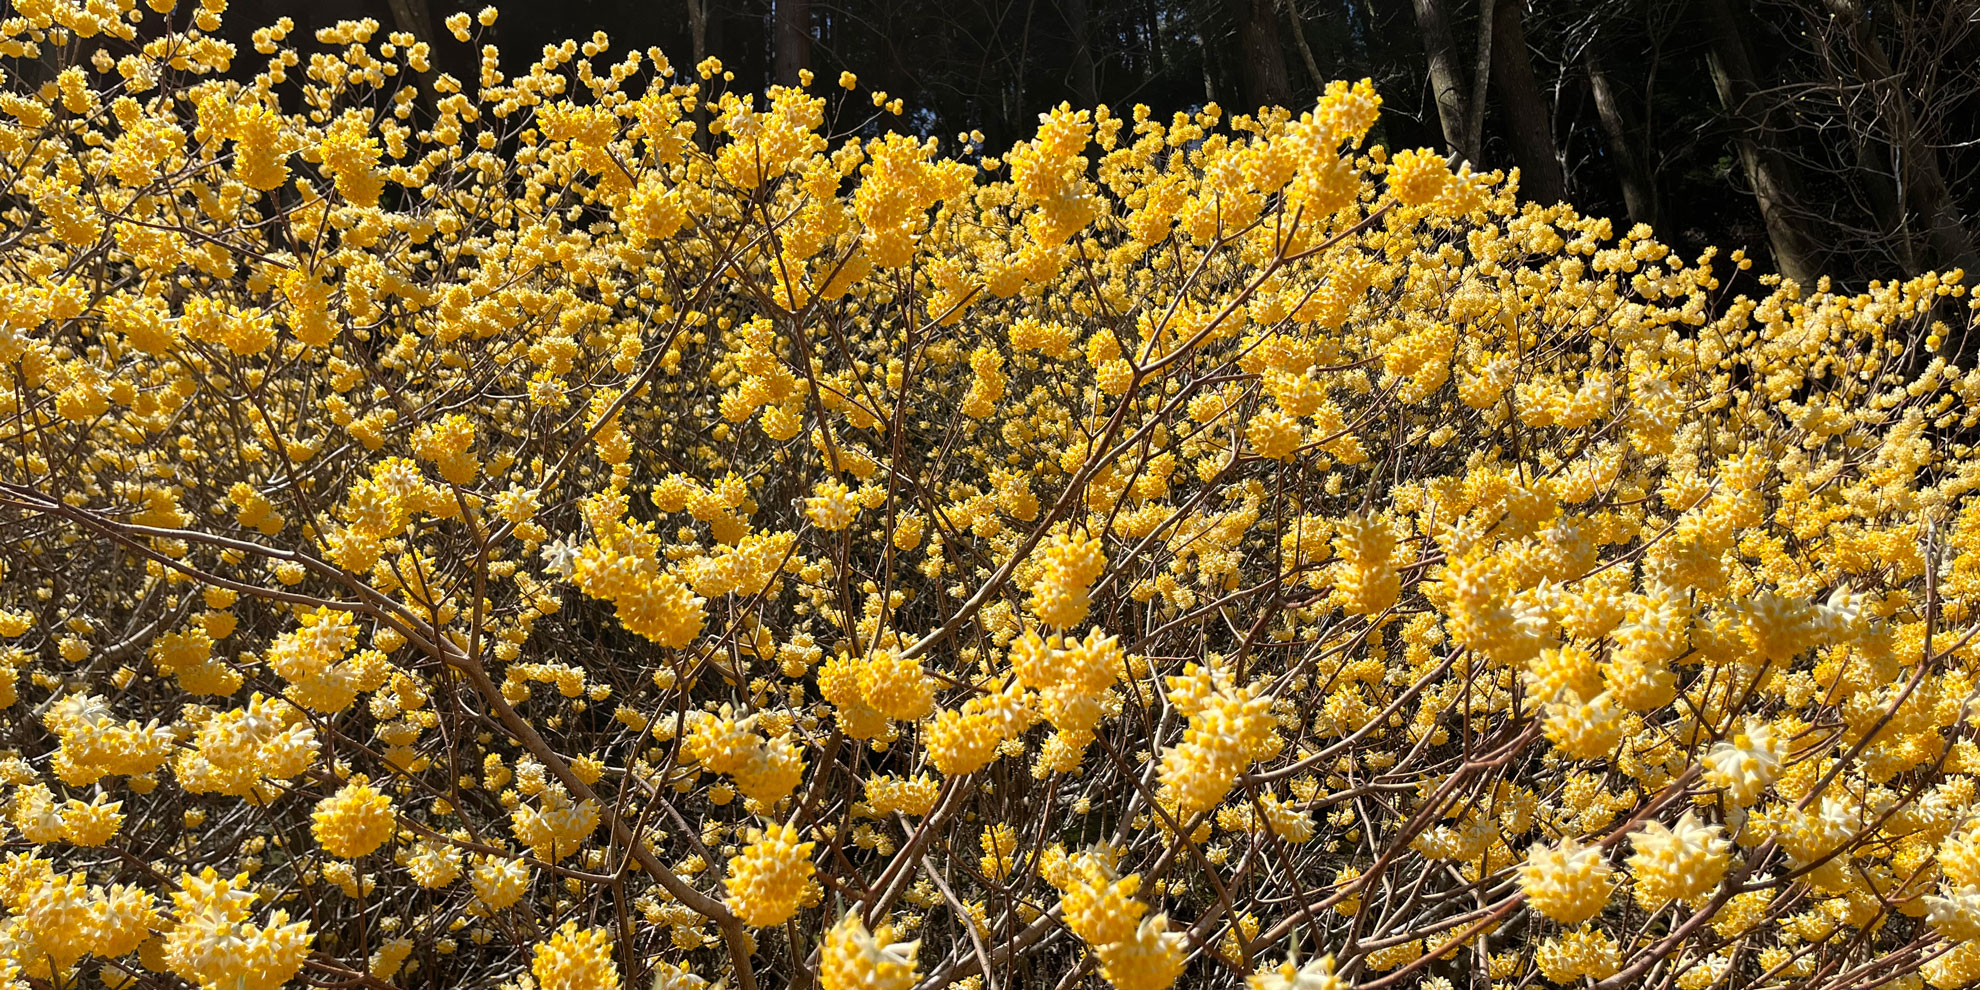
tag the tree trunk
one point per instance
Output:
(1305, 51)
(1639, 196)
(697, 12)
(415, 18)
(1924, 185)
(1359, 40)
(1529, 121)
(1016, 114)
(1205, 57)
(1759, 155)
(1262, 64)
(793, 39)
(1481, 76)
(412, 17)
(1881, 185)
(1085, 85)
(1446, 78)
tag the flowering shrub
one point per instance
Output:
(599, 528)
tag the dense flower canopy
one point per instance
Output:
(598, 527)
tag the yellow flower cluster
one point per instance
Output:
(412, 477)
(215, 946)
(1568, 883)
(1682, 862)
(1229, 729)
(575, 959)
(1316, 974)
(57, 918)
(1135, 952)
(557, 826)
(765, 770)
(93, 745)
(853, 958)
(354, 821)
(771, 878)
(1073, 681)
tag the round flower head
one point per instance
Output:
(1149, 959)
(499, 882)
(1568, 883)
(1954, 912)
(854, 959)
(576, 959)
(771, 877)
(1748, 763)
(1316, 974)
(354, 821)
(1678, 863)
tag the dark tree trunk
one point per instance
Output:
(1447, 83)
(697, 12)
(1305, 51)
(1926, 195)
(1481, 77)
(1529, 121)
(1262, 64)
(413, 17)
(1085, 84)
(1203, 53)
(1881, 187)
(1639, 195)
(1757, 139)
(793, 39)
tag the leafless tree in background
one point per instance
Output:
(1833, 137)
(1886, 115)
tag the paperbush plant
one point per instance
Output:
(598, 527)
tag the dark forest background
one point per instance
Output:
(1828, 136)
